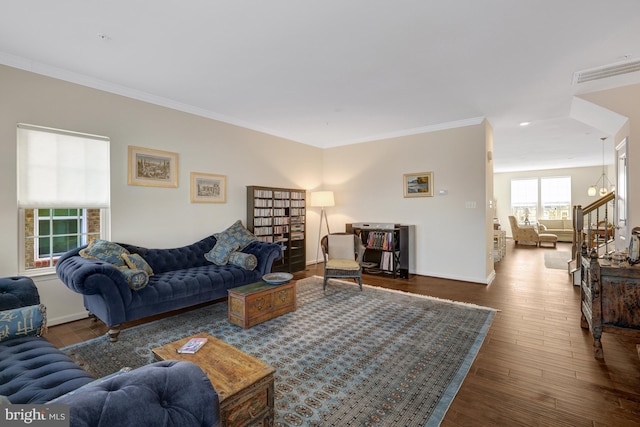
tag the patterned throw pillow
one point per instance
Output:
(136, 262)
(219, 255)
(23, 322)
(105, 251)
(137, 279)
(237, 233)
(241, 259)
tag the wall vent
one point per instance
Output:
(606, 71)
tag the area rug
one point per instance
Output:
(345, 357)
(556, 259)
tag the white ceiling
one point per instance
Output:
(335, 72)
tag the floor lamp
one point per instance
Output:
(321, 199)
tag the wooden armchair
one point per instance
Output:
(523, 233)
(342, 254)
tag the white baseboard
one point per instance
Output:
(66, 319)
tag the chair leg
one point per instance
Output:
(324, 284)
(360, 282)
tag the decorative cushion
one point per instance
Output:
(342, 264)
(23, 322)
(237, 233)
(220, 253)
(137, 279)
(136, 262)
(105, 251)
(244, 260)
(341, 246)
(542, 227)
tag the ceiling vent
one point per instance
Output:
(606, 71)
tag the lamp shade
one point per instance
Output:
(321, 199)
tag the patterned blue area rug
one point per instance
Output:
(344, 358)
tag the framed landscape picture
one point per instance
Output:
(208, 188)
(152, 168)
(418, 184)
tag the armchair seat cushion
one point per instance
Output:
(342, 264)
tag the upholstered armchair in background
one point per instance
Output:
(523, 233)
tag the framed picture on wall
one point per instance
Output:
(208, 188)
(152, 168)
(418, 184)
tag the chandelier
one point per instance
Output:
(604, 188)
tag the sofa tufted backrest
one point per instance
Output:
(162, 260)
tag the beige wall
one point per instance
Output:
(624, 101)
(147, 216)
(451, 229)
(581, 179)
(451, 236)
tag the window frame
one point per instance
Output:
(539, 206)
(104, 233)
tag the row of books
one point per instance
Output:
(380, 240)
(257, 222)
(269, 212)
(263, 193)
(263, 203)
(387, 261)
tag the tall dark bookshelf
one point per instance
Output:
(278, 215)
(388, 250)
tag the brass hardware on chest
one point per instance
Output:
(259, 303)
(283, 296)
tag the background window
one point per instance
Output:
(541, 198)
(524, 200)
(555, 197)
(49, 233)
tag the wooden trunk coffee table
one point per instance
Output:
(244, 384)
(259, 302)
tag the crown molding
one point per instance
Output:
(109, 87)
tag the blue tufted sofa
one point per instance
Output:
(182, 277)
(33, 371)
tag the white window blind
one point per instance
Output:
(524, 192)
(58, 168)
(555, 191)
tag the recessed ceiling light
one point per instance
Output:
(525, 124)
(103, 37)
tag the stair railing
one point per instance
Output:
(592, 228)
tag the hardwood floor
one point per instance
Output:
(535, 367)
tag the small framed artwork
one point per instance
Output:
(418, 184)
(208, 188)
(152, 168)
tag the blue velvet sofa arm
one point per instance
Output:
(75, 270)
(163, 394)
(266, 253)
(17, 291)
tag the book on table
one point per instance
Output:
(193, 345)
